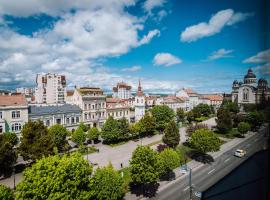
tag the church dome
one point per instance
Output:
(250, 74)
(262, 82)
(235, 82)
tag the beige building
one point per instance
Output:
(51, 89)
(13, 113)
(117, 108)
(92, 101)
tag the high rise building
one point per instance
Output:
(51, 89)
(122, 91)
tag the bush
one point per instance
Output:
(243, 127)
(6, 193)
(255, 119)
(93, 134)
(169, 160)
(161, 147)
(78, 136)
(192, 128)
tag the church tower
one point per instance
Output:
(139, 103)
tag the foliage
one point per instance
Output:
(123, 129)
(93, 134)
(110, 130)
(146, 125)
(224, 120)
(59, 134)
(255, 119)
(202, 110)
(12, 138)
(36, 141)
(171, 135)
(232, 107)
(192, 128)
(144, 166)
(161, 147)
(190, 116)
(107, 184)
(134, 130)
(180, 115)
(6, 193)
(163, 115)
(204, 141)
(78, 136)
(200, 119)
(87, 150)
(243, 127)
(250, 107)
(237, 118)
(55, 177)
(169, 160)
(83, 127)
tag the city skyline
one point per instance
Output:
(100, 43)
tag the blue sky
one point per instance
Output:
(168, 44)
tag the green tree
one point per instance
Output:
(224, 120)
(12, 138)
(6, 193)
(171, 135)
(192, 128)
(232, 107)
(255, 119)
(78, 136)
(203, 110)
(204, 141)
(93, 134)
(83, 127)
(180, 115)
(36, 141)
(163, 115)
(243, 127)
(8, 155)
(107, 184)
(123, 128)
(190, 116)
(55, 177)
(110, 131)
(169, 160)
(147, 125)
(59, 134)
(144, 166)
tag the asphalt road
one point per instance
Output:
(209, 174)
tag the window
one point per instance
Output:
(85, 116)
(73, 120)
(58, 121)
(77, 119)
(47, 122)
(16, 114)
(1, 129)
(85, 106)
(1, 115)
(68, 120)
(245, 94)
(16, 127)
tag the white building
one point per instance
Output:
(92, 101)
(13, 113)
(174, 103)
(122, 91)
(51, 89)
(139, 103)
(25, 91)
(117, 108)
(250, 92)
(67, 115)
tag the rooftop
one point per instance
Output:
(13, 100)
(66, 108)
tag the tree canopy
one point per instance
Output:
(202, 110)
(163, 115)
(78, 136)
(107, 184)
(147, 125)
(171, 135)
(243, 127)
(6, 193)
(36, 141)
(83, 127)
(255, 119)
(224, 120)
(144, 166)
(180, 115)
(169, 160)
(59, 134)
(93, 134)
(204, 141)
(55, 177)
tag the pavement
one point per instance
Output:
(206, 175)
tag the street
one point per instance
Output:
(208, 174)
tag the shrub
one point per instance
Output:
(192, 128)
(169, 160)
(243, 127)
(6, 193)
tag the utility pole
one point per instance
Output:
(14, 178)
(190, 184)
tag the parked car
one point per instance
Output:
(240, 153)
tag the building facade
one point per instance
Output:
(122, 91)
(250, 91)
(66, 115)
(51, 89)
(13, 113)
(139, 103)
(92, 101)
(117, 108)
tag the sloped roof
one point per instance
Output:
(13, 100)
(42, 110)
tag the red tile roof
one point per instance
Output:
(214, 97)
(13, 100)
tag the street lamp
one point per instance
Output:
(14, 178)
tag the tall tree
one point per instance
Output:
(171, 135)
(144, 166)
(6, 193)
(36, 141)
(243, 127)
(123, 128)
(83, 127)
(204, 141)
(59, 134)
(110, 130)
(55, 177)
(163, 115)
(147, 125)
(203, 110)
(107, 184)
(255, 119)
(8, 155)
(93, 134)
(224, 120)
(12, 138)
(169, 160)
(180, 115)
(190, 116)
(78, 136)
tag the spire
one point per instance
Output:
(139, 91)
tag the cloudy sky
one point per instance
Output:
(169, 44)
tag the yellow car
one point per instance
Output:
(240, 153)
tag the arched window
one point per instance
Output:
(16, 127)
(245, 94)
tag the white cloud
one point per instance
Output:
(161, 14)
(221, 53)
(147, 38)
(261, 57)
(149, 5)
(132, 69)
(264, 69)
(166, 59)
(216, 23)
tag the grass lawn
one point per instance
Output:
(126, 178)
(232, 134)
(118, 144)
(84, 151)
(154, 143)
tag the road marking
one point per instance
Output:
(186, 188)
(227, 159)
(211, 171)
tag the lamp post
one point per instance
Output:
(14, 178)
(190, 184)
